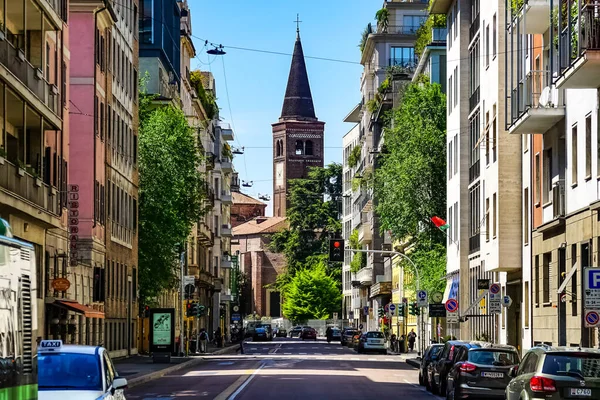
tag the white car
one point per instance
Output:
(372, 341)
(77, 372)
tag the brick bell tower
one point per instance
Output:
(298, 135)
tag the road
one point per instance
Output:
(289, 369)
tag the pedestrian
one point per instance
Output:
(412, 337)
(328, 334)
(218, 337)
(393, 343)
(203, 340)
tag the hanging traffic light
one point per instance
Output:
(401, 310)
(336, 250)
(146, 311)
(413, 309)
(200, 310)
(381, 312)
(188, 310)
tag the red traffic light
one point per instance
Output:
(336, 244)
(147, 308)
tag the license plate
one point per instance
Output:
(492, 374)
(376, 341)
(581, 392)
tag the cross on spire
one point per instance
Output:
(297, 21)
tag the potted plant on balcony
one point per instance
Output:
(20, 168)
(383, 19)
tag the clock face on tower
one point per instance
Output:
(279, 174)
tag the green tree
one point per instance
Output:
(171, 193)
(410, 185)
(430, 259)
(312, 294)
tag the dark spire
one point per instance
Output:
(298, 103)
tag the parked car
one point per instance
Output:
(346, 337)
(308, 333)
(336, 334)
(481, 372)
(453, 351)
(281, 332)
(431, 354)
(372, 341)
(296, 331)
(260, 334)
(268, 330)
(554, 373)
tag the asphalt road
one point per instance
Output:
(289, 369)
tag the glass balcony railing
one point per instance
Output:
(439, 34)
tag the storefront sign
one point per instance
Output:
(73, 223)
(61, 284)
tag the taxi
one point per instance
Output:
(77, 372)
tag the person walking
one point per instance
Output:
(328, 333)
(203, 340)
(412, 337)
(218, 337)
(393, 343)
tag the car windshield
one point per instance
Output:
(499, 358)
(69, 371)
(435, 351)
(377, 335)
(578, 365)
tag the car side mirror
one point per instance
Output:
(119, 383)
(512, 372)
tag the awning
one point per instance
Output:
(452, 286)
(74, 306)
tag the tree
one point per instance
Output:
(430, 259)
(171, 193)
(410, 185)
(312, 294)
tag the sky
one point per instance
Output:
(251, 85)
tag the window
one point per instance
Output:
(455, 20)
(308, 149)
(135, 148)
(475, 218)
(526, 206)
(456, 153)
(98, 288)
(450, 159)
(96, 115)
(487, 219)
(449, 24)
(487, 142)
(588, 147)
(525, 144)
(547, 259)
(494, 37)
(456, 86)
(574, 280)
(527, 305)
(101, 121)
(494, 216)
(494, 133)
(402, 56)
(449, 99)
(547, 174)
(299, 148)
(456, 222)
(451, 222)
(475, 76)
(538, 181)
(487, 45)
(536, 287)
(411, 23)
(64, 84)
(574, 155)
(473, 146)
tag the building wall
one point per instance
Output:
(240, 213)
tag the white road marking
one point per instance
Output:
(233, 396)
(371, 359)
(302, 354)
(287, 354)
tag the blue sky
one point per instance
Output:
(256, 81)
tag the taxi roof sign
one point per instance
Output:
(50, 346)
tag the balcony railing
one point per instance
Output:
(474, 28)
(474, 243)
(439, 35)
(474, 170)
(409, 63)
(474, 99)
(398, 29)
(527, 93)
(28, 188)
(574, 42)
(32, 77)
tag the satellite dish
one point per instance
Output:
(545, 97)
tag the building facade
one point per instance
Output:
(298, 135)
(34, 152)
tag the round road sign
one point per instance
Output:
(452, 305)
(386, 307)
(495, 288)
(392, 307)
(422, 294)
(592, 318)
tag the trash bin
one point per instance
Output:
(401, 346)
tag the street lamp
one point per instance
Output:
(217, 51)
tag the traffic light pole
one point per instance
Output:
(418, 285)
(182, 293)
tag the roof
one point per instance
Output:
(79, 349)
(298, 102)
(241, 198)
(268, 225)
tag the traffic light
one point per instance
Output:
(189, 310)
(336, 250)
(200, 310)
(414, 310)
(146, 311)
(401, 310)
(381, 312)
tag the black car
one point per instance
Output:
(297, 331)
(431, 354)
(281, 332)
(481, 372)
(347, 335)
(438, 370)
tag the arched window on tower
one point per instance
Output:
(308, 148)
(299, 147)
(278, 148)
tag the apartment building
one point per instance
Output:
(484, 172)
(34, 154)
(552, 106)
(387, 54)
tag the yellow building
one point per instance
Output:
(401, 280)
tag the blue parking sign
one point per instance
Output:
(593, 278)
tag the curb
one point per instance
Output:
(413, 362)
(136, 381)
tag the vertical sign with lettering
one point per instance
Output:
(73, 207)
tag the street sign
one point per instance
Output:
(386, 308)
(422, 299)
(360, 326)
(236, 317)
(405, 300)
(592, 319)
(591, 289)
(437, 310)
(189, 280)
(392, 308)
(452, 305)
(506, 301)
(335, 315)
(437, 297)
(366, 310)
(483, 285)
(452, 318)
(495, 288)
(351, 315)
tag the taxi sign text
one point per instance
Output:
(50, 346)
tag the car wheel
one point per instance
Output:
(421, 382)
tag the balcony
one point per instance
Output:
(534, 105)
(440, 6)
(365, 276)
(365, 234)
(32, 77)
(474, 28)
(226, 230)
(474, 171)
(474, 243)
(25, 188)
(579, 50)
(438, 35)
(226, 131)
(205, 236)
(474, 99)
(226, 197)
(226, 262)
(226, 165)
(533, 16)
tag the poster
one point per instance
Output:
(161, 328)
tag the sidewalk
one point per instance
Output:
(140, 368)
(411, 358)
